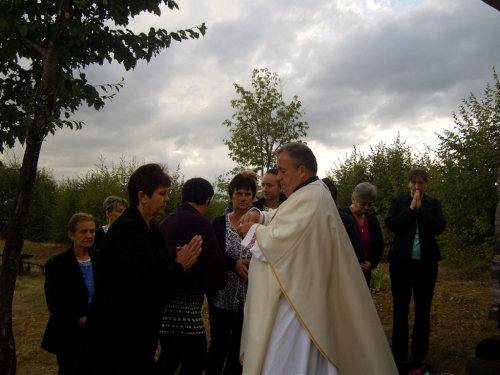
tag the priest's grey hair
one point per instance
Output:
(301, 155)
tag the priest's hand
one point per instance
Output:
(241, 268)
(243, 229)
(250, 217)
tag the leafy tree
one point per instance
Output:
(469, 166)
(386, 167)
(388, 171)
(493, 3)
(347, 174)
(46, 45)
(42, 206)
(86, 193)
(9, 181)
(174, 193)
(43, 200)
(221, 198)
(263, 122)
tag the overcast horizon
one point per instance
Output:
(365, 71)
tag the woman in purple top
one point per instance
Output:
(182, 333)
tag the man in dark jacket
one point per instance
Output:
(415, 219)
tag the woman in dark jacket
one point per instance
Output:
(136, 276)
(363, 197)
(415, 219)
(70, 279)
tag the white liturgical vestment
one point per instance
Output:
(308, 310)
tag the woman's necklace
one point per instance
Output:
(235, 222)
(361, 222)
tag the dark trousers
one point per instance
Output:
(189, 351)
(79, 359)
(133, 355)
(368, 277)
(225, 333)
(418, 277)
(78, 364)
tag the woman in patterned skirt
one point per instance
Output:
(226, 307)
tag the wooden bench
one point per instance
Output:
(29, 262)
(25, 259)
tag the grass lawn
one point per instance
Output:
(459, 317)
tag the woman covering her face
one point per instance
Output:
(416, 219)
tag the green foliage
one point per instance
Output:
(377, 277)
(43, 200)
(386, 167)
(87, 193)
(469, 166)
(55, 41)
(174, 193)
(42, 206)
(9, 181)
(347, 174)
(263, 122)
(221, 197)
(463, 176)
(46, 47)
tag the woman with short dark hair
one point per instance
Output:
(416, 219)
(136, 275)
(226, 307)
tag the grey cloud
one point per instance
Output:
(359, 73)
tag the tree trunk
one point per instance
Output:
(14, 245)
(44, 102)
(495, 274)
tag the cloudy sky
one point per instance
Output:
(364, 70)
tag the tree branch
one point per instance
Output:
(493, 3)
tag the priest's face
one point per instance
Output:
(289, 175)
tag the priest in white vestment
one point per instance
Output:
(308, 310)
